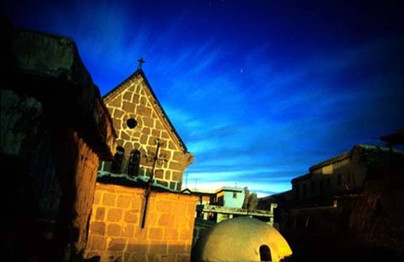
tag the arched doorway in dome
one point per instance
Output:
(265, 254)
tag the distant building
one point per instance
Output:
(349, 206)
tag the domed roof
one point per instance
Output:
(241, 239)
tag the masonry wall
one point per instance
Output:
(135, 100)
(115, 225)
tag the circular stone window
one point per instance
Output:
(131, 122)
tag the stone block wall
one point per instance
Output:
(115, 225)
(135, 100)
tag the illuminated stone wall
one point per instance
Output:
(115, 226)
(135, 99)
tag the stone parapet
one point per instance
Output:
(115, 225)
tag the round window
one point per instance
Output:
(131, 122)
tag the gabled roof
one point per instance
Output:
(139, 72)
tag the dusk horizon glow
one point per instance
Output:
(259, 91)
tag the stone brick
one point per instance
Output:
(156, 133)
(159, 174)
(143, 139)
(128, 107)
(164, 134)
(98, 243)
(186, 234)
(118, 113)
(166, 220)
(135, 98)
(156, 233)
(146, 131)
(127, 96)
(178, 156)
(171, 145)
(114, 230)
(170, 233)
(117, 244)
(97, 197)
(108, 199)
(100, 213)
(164, 206)
(148, 122)
(144, 111)
(179, 186)
(124, 135)
(158, 247)
(183, 258)
(128, 230)
(128, 146)
(174, 165)
(123, 201)
(115, 102)
(176, 248)
(132, 216)
(177, 176)
(167, 175)
(114, 214)
(160, 126)
(117, 123)
(143, 101)
(98, 228)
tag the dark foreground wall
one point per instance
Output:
(54, 130)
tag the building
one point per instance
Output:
(143, 128)
(241, 239)
(54, 131)
(139, 213)
(347, 207)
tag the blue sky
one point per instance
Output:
(258, 90)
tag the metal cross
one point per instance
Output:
(141, 62)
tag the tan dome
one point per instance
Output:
(241, 239)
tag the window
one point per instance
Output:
(134, 161)
(234, 194)
(131, 123)
(116, 166)
(265, 254)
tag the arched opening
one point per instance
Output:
(265, 254)
(116, 166)
(134, 161)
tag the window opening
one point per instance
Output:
(134, 162)
(265, 253)
(116, 166)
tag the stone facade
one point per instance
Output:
(134, 100)
(115, 225)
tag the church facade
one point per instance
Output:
(139, 213)
(143, 128)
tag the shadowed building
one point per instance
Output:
(54, 131)
(347, 207)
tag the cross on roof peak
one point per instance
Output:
(141, 62)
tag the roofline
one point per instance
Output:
(139, 71)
